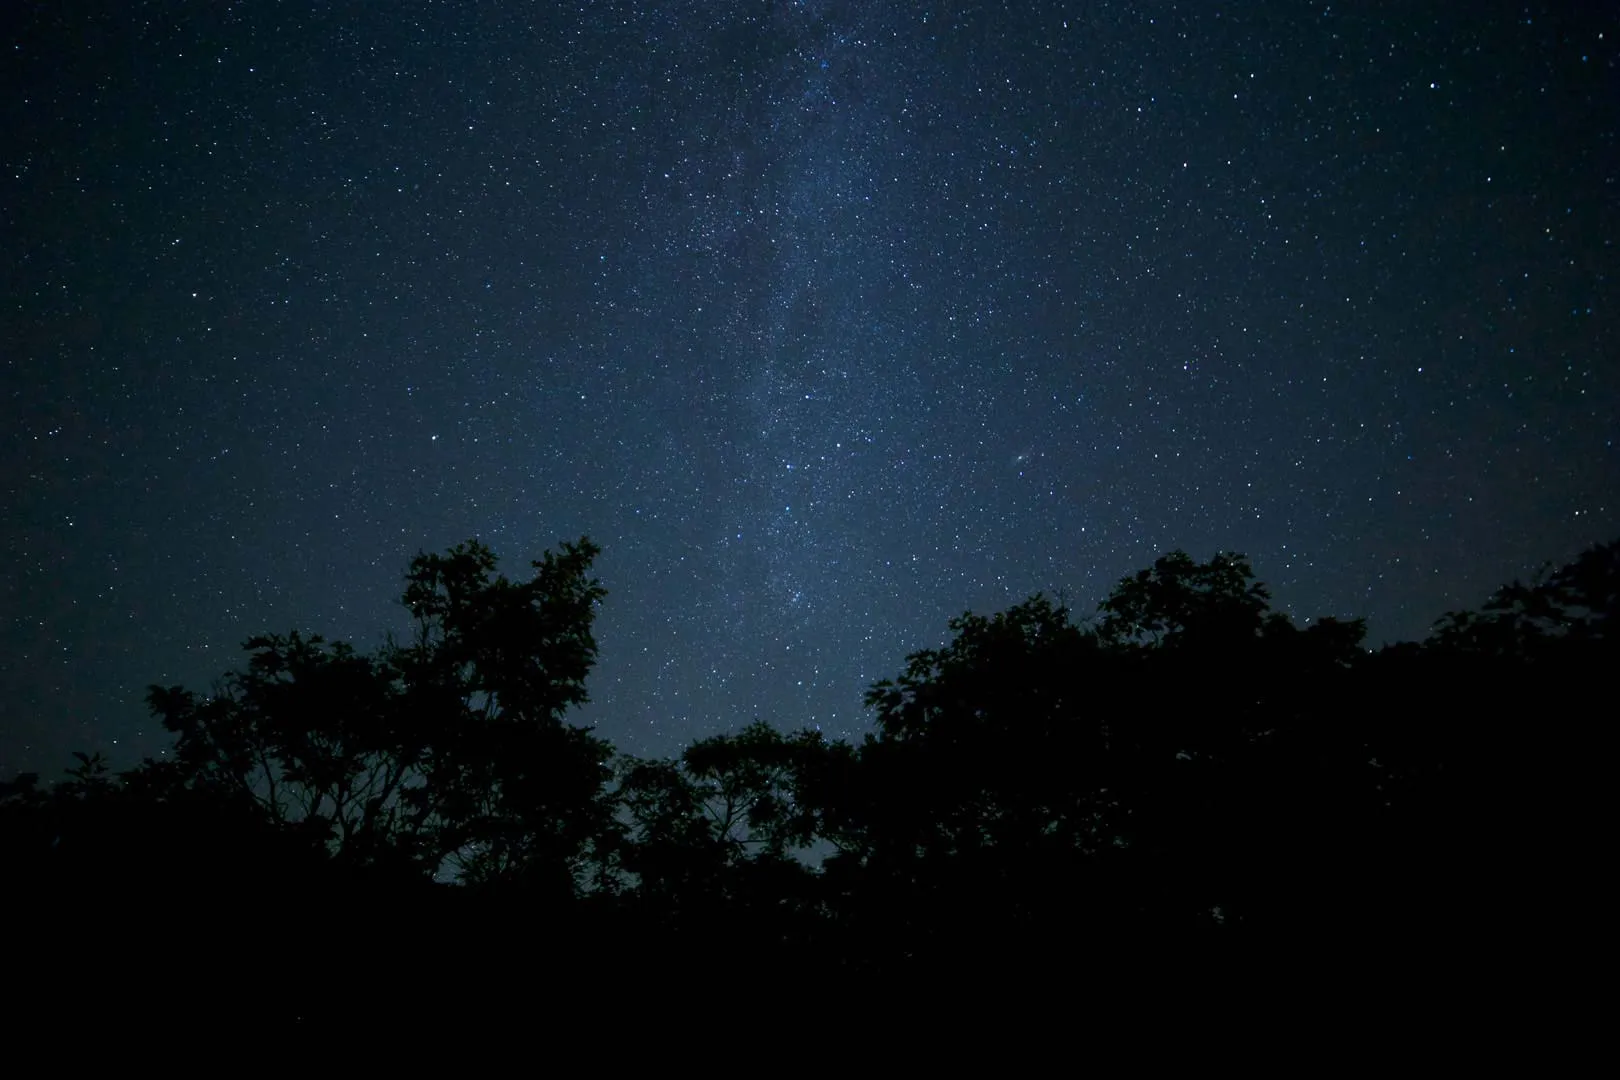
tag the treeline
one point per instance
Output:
(1185, 771)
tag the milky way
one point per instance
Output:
(828, 321)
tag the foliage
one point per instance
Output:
(446, 754)
(1180, 602)
(1574, 609)
(1192, 769)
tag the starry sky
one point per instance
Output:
(829, 320)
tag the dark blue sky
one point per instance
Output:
(827, 320)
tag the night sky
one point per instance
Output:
(828, 320)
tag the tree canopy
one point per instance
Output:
(1190, 768)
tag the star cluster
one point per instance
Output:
(828, 320)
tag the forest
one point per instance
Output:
(1185, 775)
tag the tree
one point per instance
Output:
(1001, 729)
(1182, 602)
(731, 804)
(1147, 773)
(714, 845)
(446, 754)
(1196, 769)
(1574, 610)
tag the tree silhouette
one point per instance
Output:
(447, 754)
(1150, 777)
(1574, 610)
(717, 843)
(1180, 601)
(1193, 771)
